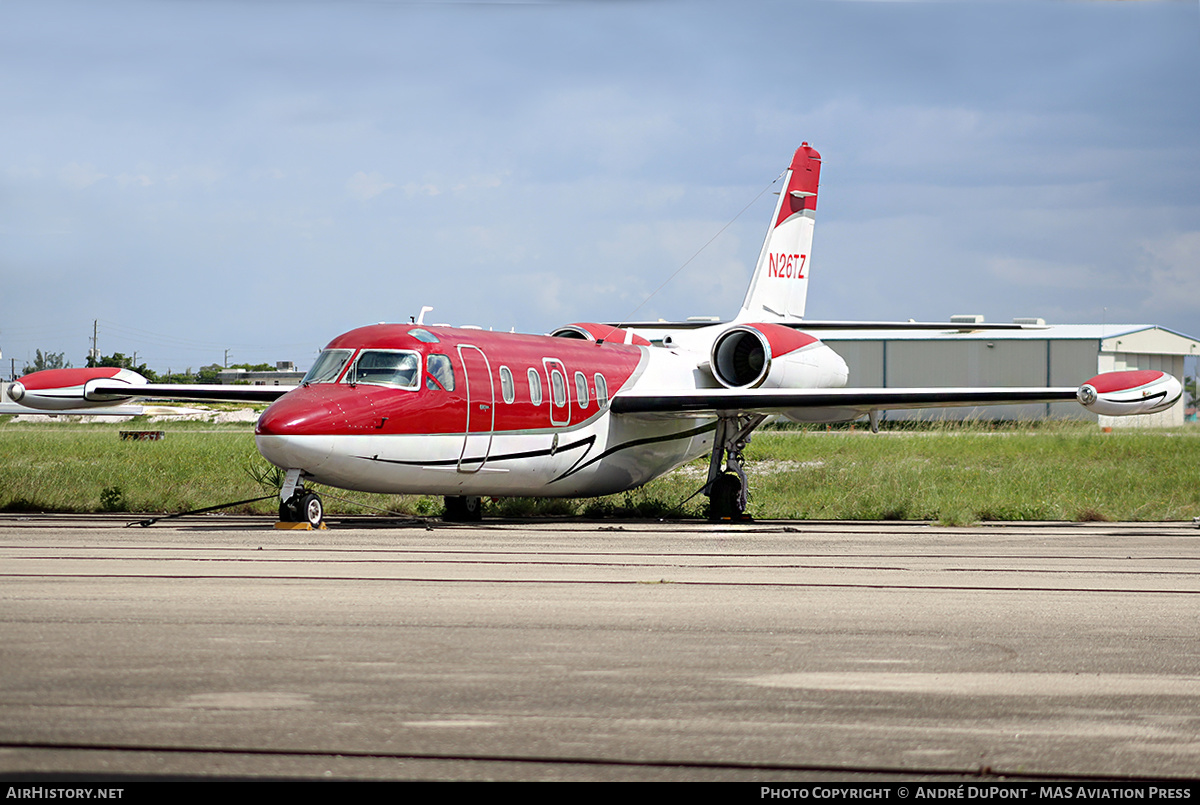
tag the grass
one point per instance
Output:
(958, 474)
(952, 473)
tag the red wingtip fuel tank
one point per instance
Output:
(1146, 391)
(63, 389)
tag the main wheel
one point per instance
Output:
(463, 509)
(724, 499)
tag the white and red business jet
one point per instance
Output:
(591, 409)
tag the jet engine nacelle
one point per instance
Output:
(763, 355)
(1147, 391)
(63, 389)
(590, 331)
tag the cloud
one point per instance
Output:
(139, 179)
(419, 189)
(206, 175)
(1044, 273)
(1170, 271)
(79, 176)
(364, 186)
(561, 163)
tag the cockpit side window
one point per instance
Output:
(386, 368)
(328, 366)
(441, 372)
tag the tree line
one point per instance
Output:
(205, 374)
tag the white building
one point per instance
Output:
(284, 374)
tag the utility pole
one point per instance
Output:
(95, 353)
(226, 359)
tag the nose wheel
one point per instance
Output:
(297, 504)
(303, 507)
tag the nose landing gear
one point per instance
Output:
(298, 506)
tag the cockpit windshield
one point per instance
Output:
(386, 367)
(328, 366)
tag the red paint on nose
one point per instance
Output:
(306, 411)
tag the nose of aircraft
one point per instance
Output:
(306, 411)
(296, 431)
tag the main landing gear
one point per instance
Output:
(463, 509)
(726, 489)
(297, 504)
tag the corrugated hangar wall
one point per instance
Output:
(943, 361)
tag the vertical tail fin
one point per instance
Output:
(779, 286)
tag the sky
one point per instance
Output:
(213, 181)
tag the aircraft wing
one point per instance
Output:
(91, 389)
(830, 324)
(166, 391)
(13, 409)
(825, 405)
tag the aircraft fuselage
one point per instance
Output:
(514, 415)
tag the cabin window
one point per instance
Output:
(558, 388)
(506, 385)
(535, 387)
(386, 367)
(601, 391)
(440, 372)
(329, 365)
(581, 390)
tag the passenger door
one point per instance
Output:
(481, 408)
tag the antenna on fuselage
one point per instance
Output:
(421, 317)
